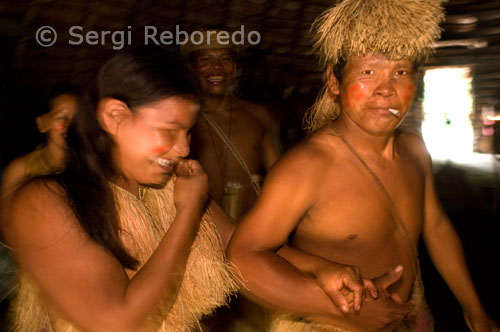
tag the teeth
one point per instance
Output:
(393, 111)
(215, 79)
(164, 162)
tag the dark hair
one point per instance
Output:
(52, 93)
(136, 76)
(338, 69)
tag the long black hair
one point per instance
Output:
(137, 76)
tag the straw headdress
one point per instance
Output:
(399, 29)
(207, 39)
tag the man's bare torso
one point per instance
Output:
(243, 124)
(352, 222)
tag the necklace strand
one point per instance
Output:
(224, 156)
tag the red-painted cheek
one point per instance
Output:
(59, 127)
(354, 93)
(160, 150)
(407, 93)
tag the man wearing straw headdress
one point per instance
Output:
(233, 139)
(358, 191)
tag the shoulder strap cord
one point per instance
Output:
(253, 178)
(388, 197)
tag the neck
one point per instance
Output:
(54, 156)
(130, 186)
(217, 103)
(380, 146)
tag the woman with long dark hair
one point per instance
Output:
(122, 239)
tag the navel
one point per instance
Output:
(352, 236)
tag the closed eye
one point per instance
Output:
(170, 132)
(203, 59)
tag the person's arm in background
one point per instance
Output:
(269, 150)
(12, 178)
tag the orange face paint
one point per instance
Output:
(59, 127)
(407, 92)
(160, 150)
(354, 92)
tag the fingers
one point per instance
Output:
(187, 167)
(339, 300)
(396, 298)
(390, 277)
(371, 288)
(182, 168)
(357, 288)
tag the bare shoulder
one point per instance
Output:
(414, 144)
(39, 215)
(310, 157)
(260, 112)
(296, 182)
(14, 174)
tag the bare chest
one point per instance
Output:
(353, 212)
(243, 131)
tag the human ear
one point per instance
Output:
(332, 82)
(110, 113)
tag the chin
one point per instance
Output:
(218, 90)
(154, 185)
(157, 183)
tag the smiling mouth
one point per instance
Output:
(163, 162)
(215, 79)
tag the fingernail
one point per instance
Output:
(398, 268)
(344, 308)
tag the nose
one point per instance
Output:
(385, 87)
(181, 146)
(216, 63)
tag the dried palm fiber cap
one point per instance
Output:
(399, 29)
(207, 39)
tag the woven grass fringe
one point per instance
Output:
(208, 281)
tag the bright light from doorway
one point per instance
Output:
(448, 103)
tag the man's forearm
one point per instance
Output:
(447, 254)
(275, 283)
(304, 262)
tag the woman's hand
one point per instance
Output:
(191, 187)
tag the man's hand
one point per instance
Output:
(388, 310)
(479, 321)
(344, 285)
